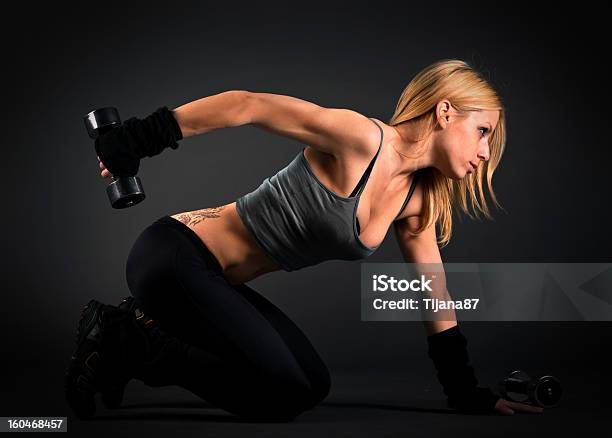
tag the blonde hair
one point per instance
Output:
(466, 89)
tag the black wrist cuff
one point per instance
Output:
(121, 148)
(150, 136)
(448, 351)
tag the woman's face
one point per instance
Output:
(461, 139)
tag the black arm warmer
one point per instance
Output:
(121, 148)
(447, 350)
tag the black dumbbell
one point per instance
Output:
(544, 391)
(124, 191)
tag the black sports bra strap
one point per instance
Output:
(412, 187)
(366, 174)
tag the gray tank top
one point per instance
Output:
(299, 222)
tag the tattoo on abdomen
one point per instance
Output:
(192, 218)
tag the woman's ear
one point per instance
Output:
(443, 110)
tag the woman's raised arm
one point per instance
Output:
(330, 130)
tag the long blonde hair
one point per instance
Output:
(466, 89)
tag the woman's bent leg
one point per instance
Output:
(304, 352)
(243, 354)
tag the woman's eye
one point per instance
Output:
(485, 130)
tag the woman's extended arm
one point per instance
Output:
(334, 131)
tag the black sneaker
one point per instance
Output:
(102, 361)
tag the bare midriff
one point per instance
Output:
(242, 259)
(225, 235)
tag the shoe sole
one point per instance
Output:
(113, 397)
(78, 380)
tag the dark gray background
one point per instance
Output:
(64, 245)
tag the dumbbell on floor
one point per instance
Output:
(544, 391)
(122, 192)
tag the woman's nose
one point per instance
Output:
(484, 154)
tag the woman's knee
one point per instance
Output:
(281, 403)
(303, 390)
(321, 386)
(289, 399)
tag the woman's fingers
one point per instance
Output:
(105, 173)
(508, 407)
(525, 407)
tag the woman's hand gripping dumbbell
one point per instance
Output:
(120, 147)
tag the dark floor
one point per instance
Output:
(357, 406)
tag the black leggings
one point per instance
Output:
(244, 354)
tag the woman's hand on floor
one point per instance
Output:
(508, 407)
(105, 173)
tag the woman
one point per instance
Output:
(192, 320)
